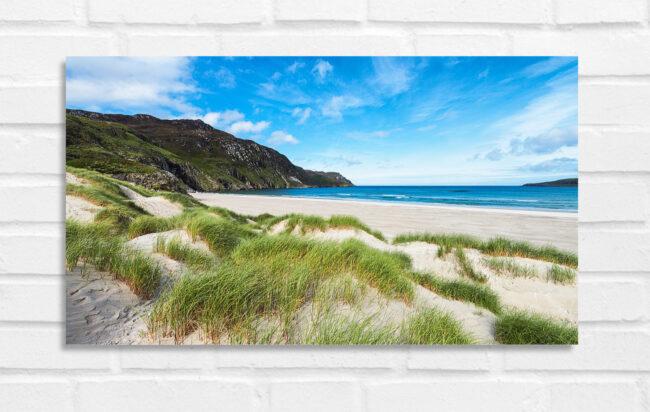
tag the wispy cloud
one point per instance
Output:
(484, 73)
(279, 137)
(225, 78)
(295, 66)
(545, 143)
(546, 66)
(557, 165)
(321, 69)
(392, 76)
(156, 84)
(336, 105)
(247, 127)
(302, 114)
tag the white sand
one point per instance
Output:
(535, 294)
(80, 209)
(542, 228)
(102, 311)
(157, 205)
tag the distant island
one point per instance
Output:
(181, 155)
(573, 182)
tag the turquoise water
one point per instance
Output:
(515, 197)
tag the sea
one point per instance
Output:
(563, 199)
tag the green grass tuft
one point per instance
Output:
(561, 274)
(523, 328)
(150, 224)
(433, 327)
(496, 247)
(460, 290)
(504, 266)
(466, 268)
(191, 256)
(95, 244)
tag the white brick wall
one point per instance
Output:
(610, 368)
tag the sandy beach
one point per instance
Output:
(559, 229)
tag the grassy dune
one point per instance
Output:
(254, 287)
(496, 247)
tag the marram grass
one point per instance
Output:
(309, 223)
(523, 328)
(496, 247)
(94, 244)
(466, 268)
(460, 289)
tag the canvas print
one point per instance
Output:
(321, 200)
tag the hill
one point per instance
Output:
(181, 155)
(573, 182)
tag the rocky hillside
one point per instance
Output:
(181, 155)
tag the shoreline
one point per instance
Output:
(495, 209)
(559, 229)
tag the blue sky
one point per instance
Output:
(378, 121)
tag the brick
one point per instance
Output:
(600, 52)
(449, 358)
(618, 151)
(619, 104)
(31, 150)
(32, 302)
(162, 357)
(26, 204)
(599, 11)
(38, 104)
(599, 350)
(45, 349)
(340, 45)
(37, 10)
(152, 11)
(339, 10)
(319, 396)
(619, 200)
(460, 45)
(199, 394)
(471, 11)
(36, 57)
(309, 357)
(611, 300)
(36, 396)
(41, 255)
(594, 396)
(602, 250)
(180, 45)
(450, 395)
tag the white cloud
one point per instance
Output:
(392, 75)
(301, 114)
(484, 73)
(279, 137)
(321, 70)
(295, 66)
(558, 165)
(247, 127)
(225, 78)
(546, 66)
(221, 119)
(276, 76)
(150, 84)
(546, 143)
(337, 104)
(543, 113)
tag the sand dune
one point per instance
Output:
(157, 205)
(542, 228)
